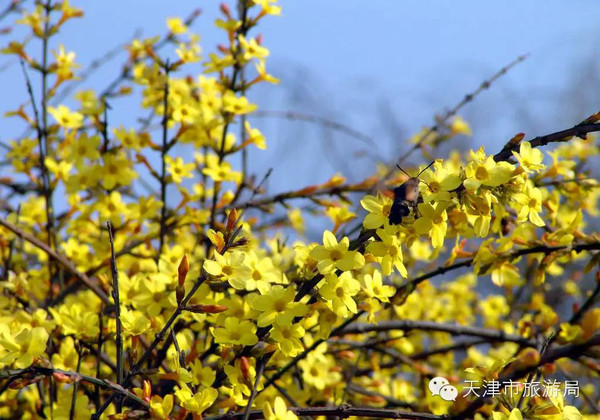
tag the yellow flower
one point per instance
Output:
(160, 408)
(134, 322)
(277, 306)
(591, 322)
(116, 170)
(201, 375)
(229, 267)
(85, 148)
(433, 222)
(262, 73)
(378, 208)
(176, 26)
(252, 49)
(316, 372)
(297, 221)
(130, 139)
(61, 408)
(339, 292)
(437, 184)
(254, 136)
(288, 338)
(196, 402)
(263, 273)
(184, 112)
(503, 272)
(515, 414)
(493, 309)
(65, 117)
(189, 53)
(65, 63)
(374, 287)
(268, 8)
(333, 255)
(77, 252)
(153, 295)
(236, 332)
(389, 252)
(59, 169)
(529, 158)
(279, 411)
(76, 319)
(460, 126)
(111, 207)
(339, 215)
(20, 350)
(485, 171)
(178, 170)
(570, 333)
(66, 358)
(220, 172)
(529, 205)
(479, 210)
(34, 20)
(235, 105)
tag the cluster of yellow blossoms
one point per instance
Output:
(214, 313)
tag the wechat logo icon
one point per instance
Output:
(440, 386)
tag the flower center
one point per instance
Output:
(386, 210)
(280, 305)
(481, 173)
(335, 255)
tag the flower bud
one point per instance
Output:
(183, 269)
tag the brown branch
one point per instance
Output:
(76, 384)
(33, 371)
(454, 329)
(303, 193)
(64, 261)
(545, 249)
(115, 295)
(163, 154)
(342, 411)
(579, 130)
(44, 144)
(13, 6)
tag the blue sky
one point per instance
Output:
(383, 67)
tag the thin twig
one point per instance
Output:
(260, 368)
(64, 261)
(466, 99)
(315, 119)
(163, 155)
(157, 339)
(115, 295)
(98, 356)
(579, 130)
(454, 329)
(46, 371)
(76, 384)
(342, 411)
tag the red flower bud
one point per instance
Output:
(182, 270)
